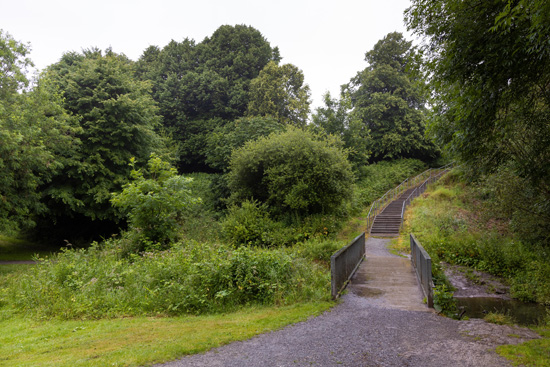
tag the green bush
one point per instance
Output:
(250, 224)
(233, 135)
(295, 172)
(531, 284)
(320, 249)
(154, 202)
(444, 301)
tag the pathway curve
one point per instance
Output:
(370, 330)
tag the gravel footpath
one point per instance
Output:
(361, 332)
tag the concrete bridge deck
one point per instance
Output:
(388, 280)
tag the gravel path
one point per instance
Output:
(362, 332)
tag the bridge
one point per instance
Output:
(373, 272)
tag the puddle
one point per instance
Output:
(366, 292)
(522, 313)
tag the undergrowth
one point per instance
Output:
(219, 264)
(451, 222)
(190, 278)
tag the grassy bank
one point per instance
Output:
(16, 249)
(453, 221)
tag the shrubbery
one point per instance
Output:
(454, 226)
(250, 224)
(191, 277)
(154, 202)
(267, 257)
(295, 173)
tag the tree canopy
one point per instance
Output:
(390, 97)
(200, 86)
(38, 138)
(335, 118)
(117, 116)
(279, 91)
(491, 73)
(234, 135)
(488, 64)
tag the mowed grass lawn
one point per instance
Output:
(135, 341)
(132, 341)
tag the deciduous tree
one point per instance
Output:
(37, 138)
(389, 97)
(279, 91)
(489, 68)
(335, 118)
(200, 86)
(117, 116)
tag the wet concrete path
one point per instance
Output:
(389, 280)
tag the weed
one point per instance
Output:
(444, 301)
(499, 318)
(191, 277)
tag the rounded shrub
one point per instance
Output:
(294, 172)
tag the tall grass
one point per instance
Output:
(190, 278)
(264, 261)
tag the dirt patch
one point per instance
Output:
(473, 283)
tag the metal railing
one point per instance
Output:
(344, 263)
(422, 263)
(380, 204)
(434, 175)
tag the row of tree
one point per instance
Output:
(67, 137)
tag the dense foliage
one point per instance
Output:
(336, 118)
(201, 86)
(223, 140)
(190, 278)
(389, 97)
(117, 118)
(38, 138)
(154, 202)
(279, 91)
(93, 141)
(381, 114)
(488, 65)
(294, 172)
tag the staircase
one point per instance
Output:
(388, 222)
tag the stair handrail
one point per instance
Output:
(422, 187)
(381, 203)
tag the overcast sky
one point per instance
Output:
(327, 39)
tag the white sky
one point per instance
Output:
(327, 39)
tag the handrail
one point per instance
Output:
(379, 204)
